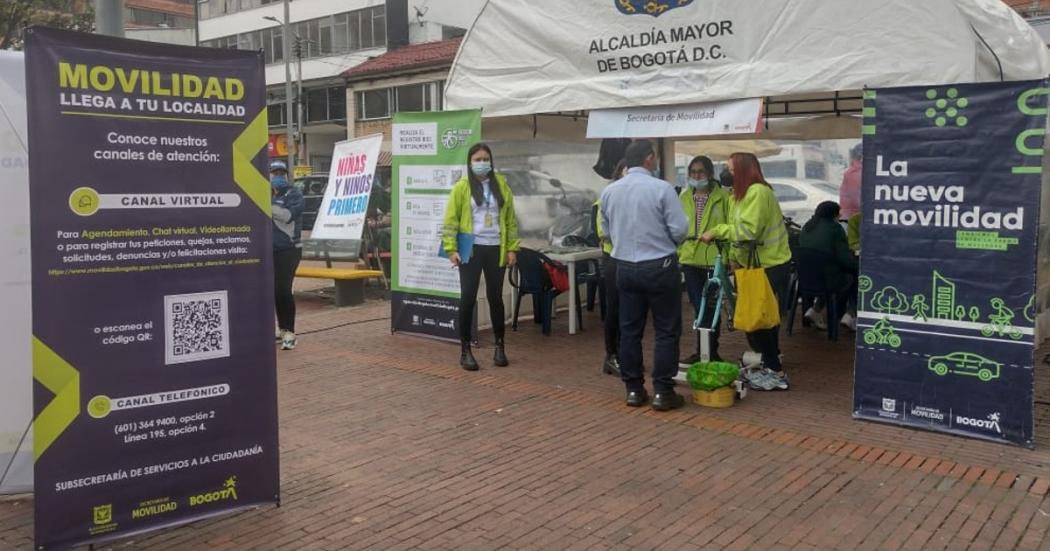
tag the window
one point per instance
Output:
(337, 103)
(815, 170)
(413, 98)
(779, 169)
(275, 114)
(787, 193)
(326, 36)
(317, 105)
(373, 104)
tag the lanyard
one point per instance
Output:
(488, 195)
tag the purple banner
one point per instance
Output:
(153, 359)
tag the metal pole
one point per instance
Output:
(299, 97)
(109, 17)
(287, 32)
(196, 22)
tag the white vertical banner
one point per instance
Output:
(345, 203)
(16, 374)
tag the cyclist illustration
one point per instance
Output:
(882, 333)
(1001, 322)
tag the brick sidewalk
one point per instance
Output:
(386, 444)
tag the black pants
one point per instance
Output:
(612, 306)
(285, 263)
(485, 258)
(767, 341)
(695, 279)
(650, 286)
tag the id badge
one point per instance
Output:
(488, 220)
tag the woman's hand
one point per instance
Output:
(454, 259)
(512, 258)
(707, 237)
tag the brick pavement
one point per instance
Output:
(387, 445)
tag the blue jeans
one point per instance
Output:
(655, 286)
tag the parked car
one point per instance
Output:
(538, 201)
(312, 187)
(965, 363)
(799, 198)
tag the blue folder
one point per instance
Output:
(464, 245)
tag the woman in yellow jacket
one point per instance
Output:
(706, 206)
(481, 209)
(756, 222)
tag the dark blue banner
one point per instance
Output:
(951, 195)
(156, 391)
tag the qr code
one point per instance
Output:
(196, 327)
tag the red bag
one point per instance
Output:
(558, 273)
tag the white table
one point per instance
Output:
(569, 257)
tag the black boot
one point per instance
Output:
(466, 358)
(500, 356)
(611, 365)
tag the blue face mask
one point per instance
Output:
(481, 168)
(279, 181)
(696, 184)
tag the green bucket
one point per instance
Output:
(711, 375)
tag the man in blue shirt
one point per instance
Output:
(644, 219)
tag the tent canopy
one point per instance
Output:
(545, 56)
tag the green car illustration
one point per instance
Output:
(965, 363)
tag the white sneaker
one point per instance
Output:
(849, 322)
(278, 334)
(288, 341)
(816, 319)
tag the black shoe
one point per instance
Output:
(637, 398)
(611, 365)
(466, 358)
(689, 360)
(666, 401)
(500, 356)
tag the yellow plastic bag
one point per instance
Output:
(756, 305)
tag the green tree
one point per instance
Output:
(16, 15)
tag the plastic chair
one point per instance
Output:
(811, 284)
(529, 277)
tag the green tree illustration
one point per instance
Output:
(890, 301)
(960, 313)
(975, 314)
(1029, 310)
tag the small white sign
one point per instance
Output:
(345, 204)
(698, 119)
(415, 139)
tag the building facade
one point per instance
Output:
(168, 21)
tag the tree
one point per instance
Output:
(15, 15)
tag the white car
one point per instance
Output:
(799, 198)
(537, 202)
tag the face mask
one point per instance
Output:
(481, 168)
(695, 184)
(278, 181)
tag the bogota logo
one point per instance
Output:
(655, 8)
(947, 110)
(103, 515)
(228, 492)
(991, 423)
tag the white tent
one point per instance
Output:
(807, 57)
(16, 374)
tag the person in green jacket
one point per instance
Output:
(757, 224)
(481, 208)
(706, 205)
(607, 266)
(824, 234)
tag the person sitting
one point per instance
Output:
(823, 233)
